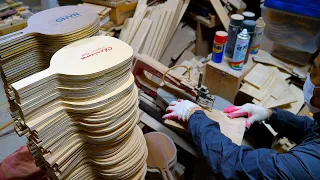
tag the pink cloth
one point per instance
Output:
(20, 165)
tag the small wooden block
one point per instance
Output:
(258, 75)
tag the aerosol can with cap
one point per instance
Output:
(240, 50)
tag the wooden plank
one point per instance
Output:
(164, 35)
(287, 97)
(279, 89)
(160, 36)
(258, 75)
(163, 13)
(232, 128)
(295, 106)
(181, 70)
(182, 38)
(175, 6)
(141, 34)
(252, 91)
(221, 13)
(285, 75)
(155, 17)
(138, 17)
(167, 55)
(186, 55)
(126, 29)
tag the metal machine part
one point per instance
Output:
(203, 98)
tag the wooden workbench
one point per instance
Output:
(223, 81)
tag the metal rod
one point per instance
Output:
(200, 79)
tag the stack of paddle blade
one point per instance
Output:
(28, 51)
(81, 113)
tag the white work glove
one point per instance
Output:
(180, 110)
(254, 112)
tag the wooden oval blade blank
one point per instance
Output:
(161, 150)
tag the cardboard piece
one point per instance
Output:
(119, 14)
(232, 128)
(258, 75)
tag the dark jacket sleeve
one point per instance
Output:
(237, 162)
(290, 125)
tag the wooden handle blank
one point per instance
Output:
(31, 80)
(9, 37)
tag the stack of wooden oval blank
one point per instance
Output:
(28, 51)
(81, 113)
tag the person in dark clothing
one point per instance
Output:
(241, 162)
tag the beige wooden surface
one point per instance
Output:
(223, 81)
(258, 75)
(221, 13)
(232, 128)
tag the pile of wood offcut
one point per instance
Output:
(269, 88)
(151, 28)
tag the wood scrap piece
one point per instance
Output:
(141, 34)
(298, 93)
(102, 11)
(279, 89)
(285, 75)
(181, 40)
(169, 51)
(232, 128)
(138, 17)
(189, 36)
(221, 13)
(286, 97)
(256, 101)
(182, 70)
(163, 14)
(295, 106)
(175, 6)
(252, 91)
(183, 10)
(155, 17)
(196, 63)
(126, 29)
(267, 58)
(271, 102)
(258, 75)
(186, 55)
(162, 33)
(149, 12)
(180, 51)
(269, 88)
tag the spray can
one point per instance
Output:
(240, 50)
(234, 28)
(248, 15)
(258, 35)
(250, 25)
(219, 45)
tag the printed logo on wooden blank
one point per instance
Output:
(95, 52)
(66, 18)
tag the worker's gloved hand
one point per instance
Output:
(181, 110)
(254, 112)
